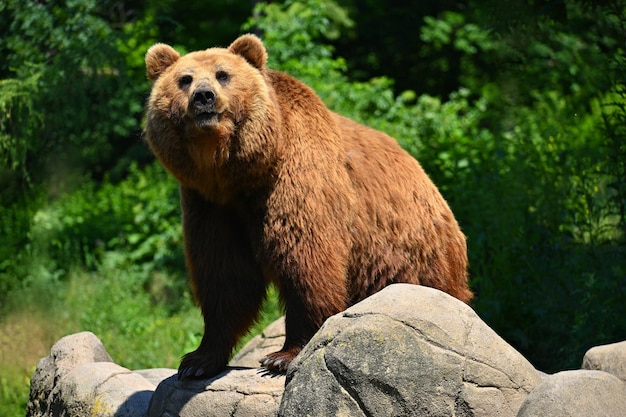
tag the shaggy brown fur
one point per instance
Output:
(277, 188)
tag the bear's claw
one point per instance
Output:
(196, 365)
(278, 362)
(186, 373)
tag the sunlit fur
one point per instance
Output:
(280, 189)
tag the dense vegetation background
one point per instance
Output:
(516, 109)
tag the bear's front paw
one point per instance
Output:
(278, 362)
(199, 365)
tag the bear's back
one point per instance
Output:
(403, 227)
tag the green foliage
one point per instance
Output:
(13, 396)
(290, 29)
(134, 224)
(614, 114)
(137, 330)
(16, 105)
(196, 24)
(65, 99)
(451, 29)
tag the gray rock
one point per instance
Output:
(407, 350)
(79, 378)
(102, 389)
(580, 393)
(156, 375)
(237, 392)
(609, 358)
(68, 353)
(271, 340)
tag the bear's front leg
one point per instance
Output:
(225, 278)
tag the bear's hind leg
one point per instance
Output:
(300, 327)
(312, 291)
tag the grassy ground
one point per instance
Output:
(25, 337)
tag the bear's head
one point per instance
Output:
(209, 107)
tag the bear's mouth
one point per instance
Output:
(206, 119)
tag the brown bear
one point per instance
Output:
(276, 188)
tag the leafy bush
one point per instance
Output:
(66, 100)
(134, 225)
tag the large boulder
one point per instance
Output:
(581, 393)
(407, 350)
(79, 378)
(609, 358)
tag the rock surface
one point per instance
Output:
(237, 392)
(79, 378)
(407, 350)
(271, 340)
(609, 358)
(577, 393)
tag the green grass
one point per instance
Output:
(26, 335)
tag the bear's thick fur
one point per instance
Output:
(277, 188)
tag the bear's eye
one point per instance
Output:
(185, 81)
(222, 76)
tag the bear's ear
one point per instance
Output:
(251, 48)
(158, 58)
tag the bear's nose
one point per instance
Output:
(203, 97)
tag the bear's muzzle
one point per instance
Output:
(202, 106)
(203, 101)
